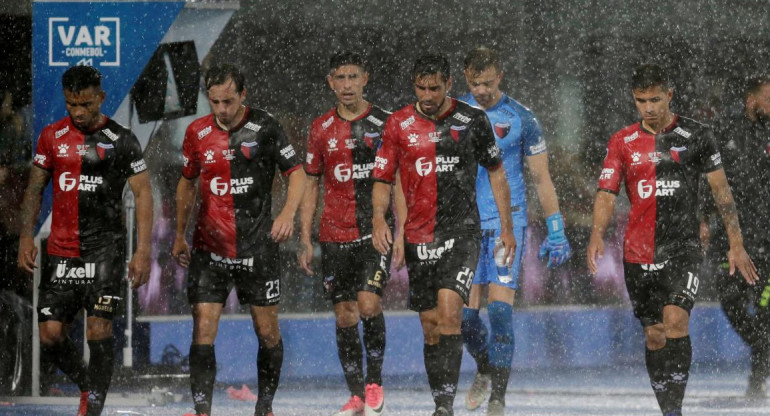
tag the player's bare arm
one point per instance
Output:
(139, 267)
(30, 209)
(723, 199)
(381, 235)
(283, 226)
(398, 244)
(541, 176)
(185, 197)
(307, 210)
(502, 193)
(604, 206)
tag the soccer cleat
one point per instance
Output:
(354, 407)
(375, 400)
(195, 414)
(495, 408)
(442, 411)
(479, 391)
(83, 403)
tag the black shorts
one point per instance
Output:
(349, 268)
(93, 282)
(446, 263)
(653, 286)
(257, 279)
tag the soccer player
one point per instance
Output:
(341, 149)
(88, 157)
(233, 153)
(436, 145)
(519, 138)
(746, 158)
(660, 159)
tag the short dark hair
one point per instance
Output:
(431, 64)
(648, 76)
(482, 58)
(346, 58)
(81, 77)
(219, 74)
(754, 84)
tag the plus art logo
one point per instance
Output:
(87, 40)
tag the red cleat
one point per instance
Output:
(83, 403)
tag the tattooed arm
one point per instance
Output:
(30, 209)
(723, 199)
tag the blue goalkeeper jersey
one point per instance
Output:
(518, 134)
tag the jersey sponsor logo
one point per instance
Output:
(95, 43)
(82, 149)
(112, 136)
(203, 133)
(236, 186)
(370, 137)
(75, 275)
(652, 267)
(46, 311)
(309, 158)
(185, 160)
(40, 159)
(406, 123)
(434, 136)
(328, 122)
(252, 126)
(249, 149)
(432, 254)
(228, 154)
(209, 156)
(139, 166)
(85, 183)
(661, 188)
(104, 150)
(654, 157)
(342, 173)
(245, 263)
(636, 158)
(350, 144)
(413, 139)
(716, 158)
(374, 120)
(454, 131)
(606, 174)
(502, 129)
(61, 132)
(380, 162)
(360, 171)
(462, 117)
(538, 148)
(630, 138)
(63, 150)
(678, 153)
(66, 183)
(493, 150)
(332, 144)
(423, 166)
(682, 132)
(288, 152)
(446, 163)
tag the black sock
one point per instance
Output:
(451, 354)
(678, 369)
(432, 360)
(100, 366)
(351, 357)
(203, 372)
(374, 340)
(500, 377)
(269, 363)
(67, 358)
(656, 368)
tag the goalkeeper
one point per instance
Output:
(519, 137)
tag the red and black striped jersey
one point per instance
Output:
(438, 161)
(236, 170)
(661, 174)
(343, 152)
(89, 170)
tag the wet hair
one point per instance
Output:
(431, 64)
(346, 58)
(482, 58)
(219, 74)
(81, 77)
(648, 76)
(754, 84)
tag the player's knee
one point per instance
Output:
(655, 336)
(346, 314)
(98, 328)
(369, 309)
(269, 337)
(49, 339)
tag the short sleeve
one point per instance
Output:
(386, 160)
(709, 157)
(191, 167)
(533, 141)
(133, 156)
(43, 154)
(314, 159)
(612, 169)
(484, 145)
(286, 156)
